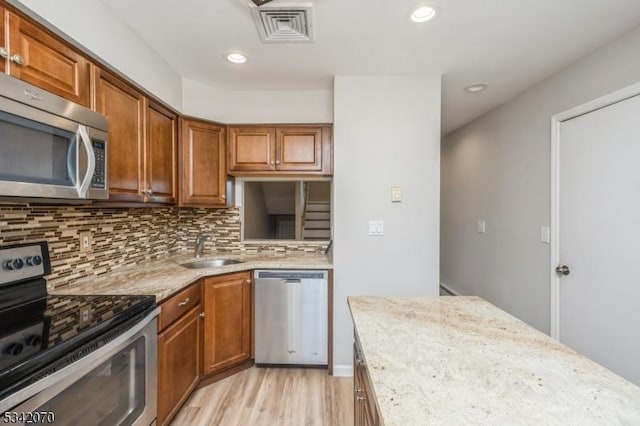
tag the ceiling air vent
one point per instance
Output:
(284, 22)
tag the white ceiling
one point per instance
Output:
(510, 44)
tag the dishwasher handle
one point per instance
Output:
(292, 281)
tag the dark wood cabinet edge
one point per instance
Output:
(223, 374)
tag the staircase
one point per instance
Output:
(317, 221)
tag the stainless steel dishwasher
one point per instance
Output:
(291, 318)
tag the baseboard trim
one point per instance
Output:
(344, 370)
(450, 289)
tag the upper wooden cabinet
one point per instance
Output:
(124, 107)
(227, 321)
(298, 150)
(203, 171)
(142, 143)
(35, 56)
(160, 154)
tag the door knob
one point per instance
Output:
(563, 270)
(4, 53)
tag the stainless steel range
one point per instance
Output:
(72, 359)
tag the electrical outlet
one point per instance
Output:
(85, 242)
(376, 227)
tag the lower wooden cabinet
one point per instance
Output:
(227, 322)
(179, 350)
(204, 330)
(365, 412)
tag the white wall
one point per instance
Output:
(95, 27)
(497, 169)
(387, 133)
(246, 106)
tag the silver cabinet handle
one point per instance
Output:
(4, 53)
(563, 270)
(248, 281)
(184, 302)
(201, 315)
(224, 197)
(18, 59)
(360, 398)
(148, 192)
(277, 161)
(272, 162)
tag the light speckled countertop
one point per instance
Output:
(461, 360)
(163, 277)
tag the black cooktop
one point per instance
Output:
(42, 333)
(35, 334)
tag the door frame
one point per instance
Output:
(556, 124)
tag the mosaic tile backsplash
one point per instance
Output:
(124, 236)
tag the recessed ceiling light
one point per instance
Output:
(424, 12)
(476, 87)
(236, 58)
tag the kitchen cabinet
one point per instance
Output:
(160, 154)
(280, 150)
(203, 170)
(179, 351)
(37, 57)
(227, 322)
(142, 143)
(365, 412)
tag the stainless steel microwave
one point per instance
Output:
(50, 147)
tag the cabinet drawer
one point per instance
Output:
(178, 305)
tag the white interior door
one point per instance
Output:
(599, 236)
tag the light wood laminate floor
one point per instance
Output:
(272, 396)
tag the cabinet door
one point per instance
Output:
(227, 321)
(203, 164)
(252, 149)
(179, 349)
(124, 107)
(160, 154)
(47, 62)
(299, 149)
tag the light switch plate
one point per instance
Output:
(396, 194)
(545, 234)
(376, 227)
(482, 227)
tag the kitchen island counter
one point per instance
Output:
(461, 360)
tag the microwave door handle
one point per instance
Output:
(83, 187)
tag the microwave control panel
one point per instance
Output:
(99, 175)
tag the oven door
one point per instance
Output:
(43, 155)
(115, 385)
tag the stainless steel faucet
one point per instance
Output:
(200, 240)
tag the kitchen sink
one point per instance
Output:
(210, 263)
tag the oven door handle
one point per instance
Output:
(83, 185)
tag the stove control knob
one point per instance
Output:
(14, 349)
(14, 264)
(34, 340)
(34, 260)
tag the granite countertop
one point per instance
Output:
(164, 276)
(461, 360)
